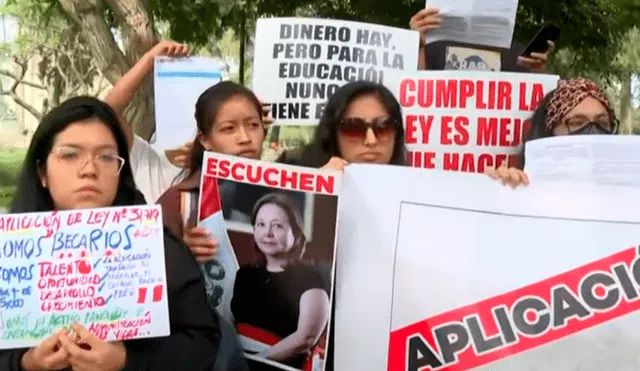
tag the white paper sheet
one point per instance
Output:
(178, 82)
(600, 159)
(478, 22)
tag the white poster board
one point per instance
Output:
(103, 268)
(300, 62)
(178, 82)
(471, 275)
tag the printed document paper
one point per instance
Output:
(178, 83)
(601, 159)
(478, 22)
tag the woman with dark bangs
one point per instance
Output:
(77, 159)
(282, 301)
(361, 123)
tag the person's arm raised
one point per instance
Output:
(424, 21)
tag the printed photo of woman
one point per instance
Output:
(281, 303)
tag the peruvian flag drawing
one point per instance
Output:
(220, 274)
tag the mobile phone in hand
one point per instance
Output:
(539, 44)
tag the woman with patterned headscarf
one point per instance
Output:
(576, 107)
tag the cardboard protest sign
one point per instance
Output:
(300, 62)
(468, 121)
(178, 82)
(275, 227)
(102, 268)
(542, 278)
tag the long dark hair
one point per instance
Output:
(325, 141)
(31, 195)
(207, 108)
(537, 127)
(292, 211)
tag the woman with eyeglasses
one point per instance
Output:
(576, 107)
(76, 160)
(361, 123)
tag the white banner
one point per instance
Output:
(471, 275)
(300, 62)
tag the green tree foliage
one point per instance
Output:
(592, 30)
(48, 55)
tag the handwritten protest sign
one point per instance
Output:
(103, 268)
(300, 62)
(468, 121)
(178, 82)
(565, 296)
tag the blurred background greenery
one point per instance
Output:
(10, 164)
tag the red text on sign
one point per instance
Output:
(270, 176)
(501, 132)
(454, 130)
(501, 326)
(466, 162)
(469, 162)
(459, 93)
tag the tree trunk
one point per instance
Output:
(89, 16)
(137, 27)
(243, 41)
(141, 111)
(625, 105)
(138, 35)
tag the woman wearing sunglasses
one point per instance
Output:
(361, 123)
(577, 107)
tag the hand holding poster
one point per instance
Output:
(543, 278)
(272, 274)
(300, 62)
(102, 268)
(468, 121)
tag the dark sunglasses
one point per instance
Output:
(357, 127)
(595, 128)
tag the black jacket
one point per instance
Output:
(195, 333)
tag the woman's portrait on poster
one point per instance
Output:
(281, 301)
